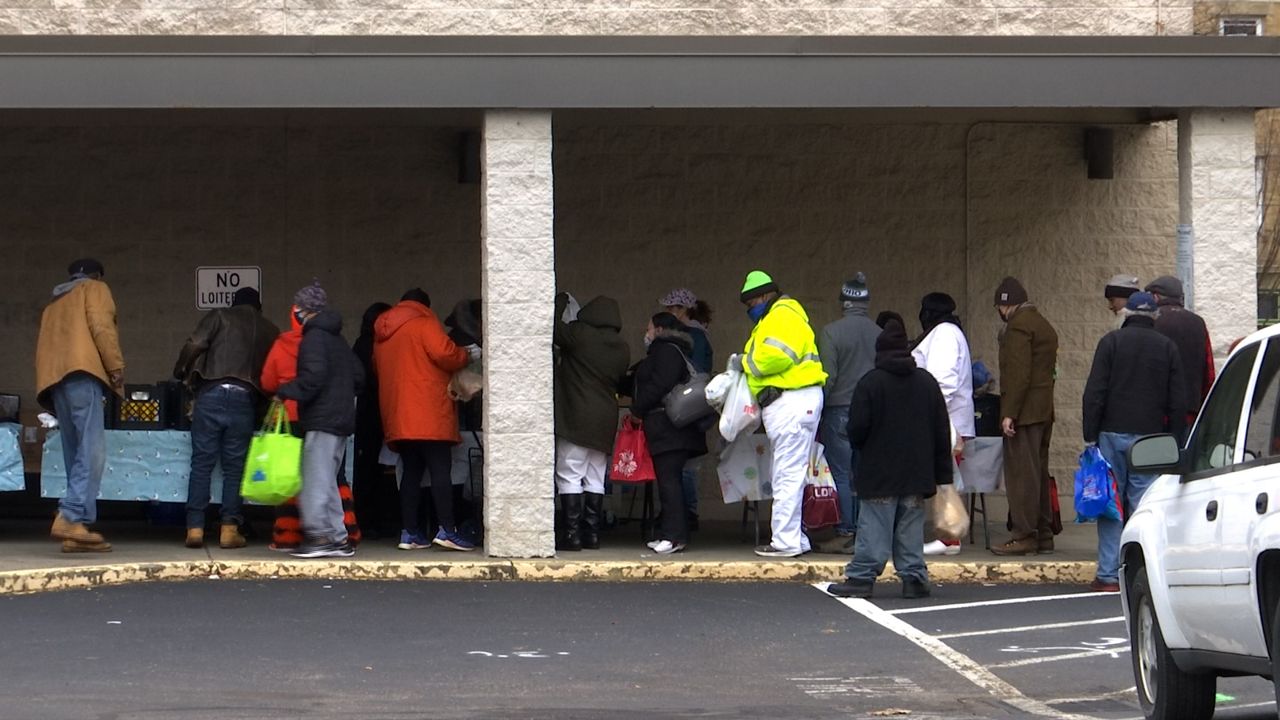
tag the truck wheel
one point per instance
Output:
(1164, 691)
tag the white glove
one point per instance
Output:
(474, 352)
(735, 363)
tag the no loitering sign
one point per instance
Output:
(215, 286)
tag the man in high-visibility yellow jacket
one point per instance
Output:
(786, 376)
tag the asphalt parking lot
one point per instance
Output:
(409, 650)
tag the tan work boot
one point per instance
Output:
(231, 537)
(1025, 546)
(73, 546)
(64, 529)
(195, 538)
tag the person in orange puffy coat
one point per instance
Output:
(280, 368)
(415, 359)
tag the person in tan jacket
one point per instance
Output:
(1028, 362)
(78, 360)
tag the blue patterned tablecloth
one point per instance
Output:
(141, 465)
(11, 472)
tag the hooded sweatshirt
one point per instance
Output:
(282, 364)
(77, 335)
(898, 422)
(848, 350)
(593, 360)
(415, 359)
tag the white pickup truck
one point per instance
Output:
(1201, 554)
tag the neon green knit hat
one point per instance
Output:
(758, 283)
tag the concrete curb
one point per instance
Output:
(18, 582)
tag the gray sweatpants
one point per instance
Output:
(319, 502)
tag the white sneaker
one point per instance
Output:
(653, 544)
(666, 547)
(937, 547)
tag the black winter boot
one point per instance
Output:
(592, 512)
(572, 507)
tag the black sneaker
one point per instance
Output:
(773, 552)
(915, 589)
(325, 550)
(851, 589)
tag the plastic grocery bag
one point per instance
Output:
(950, 516)
(741, 413)
(631, 462)
(1097, 495)
(718, 389)
(745, 469)
(273, 468)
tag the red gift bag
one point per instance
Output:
(631, 462)
(821, 505)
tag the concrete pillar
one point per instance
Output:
(1218, 199)
(518, 259)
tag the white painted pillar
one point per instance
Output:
(1218, 199)
(518, 275)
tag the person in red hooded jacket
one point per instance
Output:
(281, 368)
(414, 360)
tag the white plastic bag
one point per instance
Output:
(745, 469)
(741, 412)
(717, 388)
(950, 517)
(571, 310)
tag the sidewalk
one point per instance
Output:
(31, 562)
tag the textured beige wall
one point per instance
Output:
(597, 17)
(368, 210)
(644, 208)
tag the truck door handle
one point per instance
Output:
(1261, 504)
(1211, 512)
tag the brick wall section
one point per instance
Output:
(1035, 215)
(599, 17)
(644, 208)
(519, 281)
(369, 210)
(1221, 182)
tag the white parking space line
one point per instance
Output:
(1111, 652)
(966, 666)
(1031, 628)
(1008, 601)
(1127, 693)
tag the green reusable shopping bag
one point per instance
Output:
(273, 469)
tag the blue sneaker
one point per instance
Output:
(453, 541)
(412, 541)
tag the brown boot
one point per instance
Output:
(1025, 546)
(195, 538)
(64, 529)
(1044, 546)
(73, 546)
(231, 537)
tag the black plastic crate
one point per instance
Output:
(143, 407)
(178, 402)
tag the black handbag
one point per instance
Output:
(687, 402)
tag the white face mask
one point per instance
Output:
(647, 341)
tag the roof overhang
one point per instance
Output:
(1157, 75)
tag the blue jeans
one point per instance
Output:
(1115, 448)
(834, 435)
(889, 526)
(221, 428)
(77, 401)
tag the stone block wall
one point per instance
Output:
(519, 279)
(643, 208)
(369, 210)
(598, 17)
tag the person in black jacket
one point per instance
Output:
(665, 366)
(329, 378)
(377, 500)
(898, 423)
(1136, 388)
(1189, 333)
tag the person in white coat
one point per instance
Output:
(943, 350)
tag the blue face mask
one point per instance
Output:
(757, 312)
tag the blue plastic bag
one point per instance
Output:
(1097, 494)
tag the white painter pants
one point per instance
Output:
(791, 423)
(579, 468)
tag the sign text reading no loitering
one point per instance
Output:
(215, 286)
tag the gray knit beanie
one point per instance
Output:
(311, 298)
